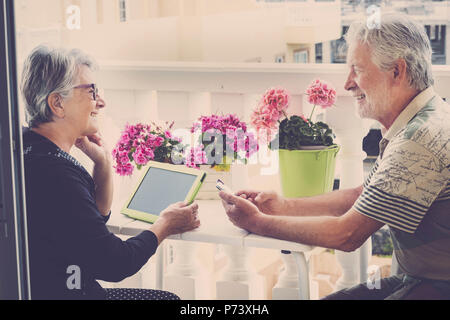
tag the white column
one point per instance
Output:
(447, 44)
(350, 130)
(237, 282)
(312, 53)
(185, 277)
(326, 52)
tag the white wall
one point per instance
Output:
(169, 30)
(244, 35)
(134, 40)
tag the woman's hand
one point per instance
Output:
(176, 218)
(267, 202)
(94, 147)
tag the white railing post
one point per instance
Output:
(286, 287)
(234, 282)
(237, 281)
(185, 277)
(293, 282)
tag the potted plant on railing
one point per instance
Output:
(222, 141)
(140, 143)
(306, 149)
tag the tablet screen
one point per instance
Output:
(161, 188)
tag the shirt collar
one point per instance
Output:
(409, 112)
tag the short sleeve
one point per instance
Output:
(403, 186)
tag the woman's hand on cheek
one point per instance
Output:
(93, 146)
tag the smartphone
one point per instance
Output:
(222, 187)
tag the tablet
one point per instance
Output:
(161, 185)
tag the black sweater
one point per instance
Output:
(66, 232)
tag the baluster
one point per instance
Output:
(237, 281)
(185, 277)
(293, 282)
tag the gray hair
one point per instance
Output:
(397, 36)
(49, 70)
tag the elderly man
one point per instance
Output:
(408, 188)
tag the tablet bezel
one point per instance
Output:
(152, 217)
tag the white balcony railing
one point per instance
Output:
(155, 91)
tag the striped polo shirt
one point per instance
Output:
(409, 187)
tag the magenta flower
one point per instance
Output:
(124, 169)
(140, 157)
(139, 144)
(195, 156)
(228, 127)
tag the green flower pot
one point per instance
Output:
(305, 173)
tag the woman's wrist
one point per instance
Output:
(103, 160)
(160, 229)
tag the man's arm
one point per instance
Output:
(334, 203)
(346, 232)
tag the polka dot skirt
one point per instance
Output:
(139, 294)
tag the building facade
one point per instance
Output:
(301, 31)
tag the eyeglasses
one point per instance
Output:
(93, 86)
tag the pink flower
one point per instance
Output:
(276, 98)
(270, 109)
(124, 169)
(138, 144)
(148, 152)
(321, 93)
(264, 117)
(122, 157)
(195, 156)
(251, 144)
(227, 126)
(139, 156)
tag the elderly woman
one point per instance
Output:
(69, 244)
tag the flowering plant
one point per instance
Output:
(271, 108)
(296, 131)
(141, 143)
(221, 140)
